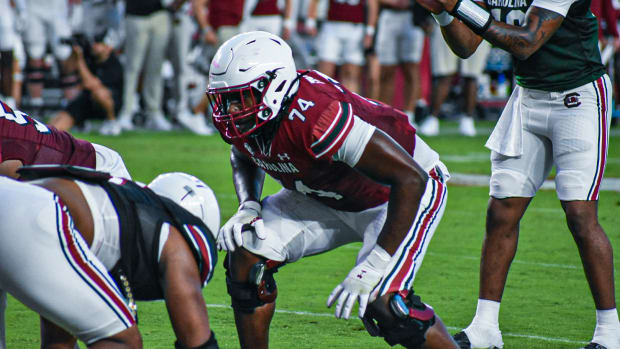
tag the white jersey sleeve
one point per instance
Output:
(559, 6)
(354, 144)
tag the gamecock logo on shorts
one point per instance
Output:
(571, 100)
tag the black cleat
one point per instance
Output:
(462, 340)
(593, 346)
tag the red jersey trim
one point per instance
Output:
(335, 132)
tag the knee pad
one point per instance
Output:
(410, 320)
(259, 290)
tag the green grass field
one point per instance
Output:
(547, 303)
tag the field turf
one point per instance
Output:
(547, 303)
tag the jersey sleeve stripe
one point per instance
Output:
(98, 281)
(335, 132)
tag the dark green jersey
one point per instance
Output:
(569, 59)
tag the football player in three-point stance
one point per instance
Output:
(98, 243)
(351, 170)
(557, 115)
(27, 141)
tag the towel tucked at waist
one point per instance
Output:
(507, 137)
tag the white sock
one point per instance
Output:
(607, 331)
(483, 332)
(487, 313)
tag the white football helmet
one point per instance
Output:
(190, 193)
(250, 77)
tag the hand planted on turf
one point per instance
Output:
(248, 216)
(359, 284)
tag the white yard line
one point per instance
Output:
(508, 334)
(612, 184)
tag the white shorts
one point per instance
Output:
(48, 22)
(7, 27)
(270, 24)
(444, 62)
(45, 264)
(341, 43)
(108, 160)
(299, 226)
(574, 139)
(398, 40)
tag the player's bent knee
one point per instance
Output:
(129, 338)
(404, 319)
(254, 289)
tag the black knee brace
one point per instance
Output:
(259, 290)
(412, 319)
(210, 344)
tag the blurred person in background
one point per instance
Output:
(399, 45)
(148, 27)
(217, 21)
(101, 75)
(347, 31)
(444, 65)
(8, 41)
(608, 12)
(177, 54)
(267, 16)
(48, 24)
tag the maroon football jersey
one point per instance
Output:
(346, 11)
(228, 12)
(266, 7)
(32, 142)
(301, 153)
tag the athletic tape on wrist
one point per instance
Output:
(252, 205)
(443, 18)
(473, 15)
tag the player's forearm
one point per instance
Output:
(373, 13)
(198, 8)
(402, 209)
(461, 40)
(386, 162)
(247, 177)
(521, 42)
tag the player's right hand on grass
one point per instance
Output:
(247, 218)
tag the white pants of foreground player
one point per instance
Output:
(299, 226)
(45, 264)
